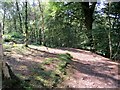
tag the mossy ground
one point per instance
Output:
(49, 73)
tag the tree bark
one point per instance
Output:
(109, 33)
(88, 11)
(20, 18)
(26, 25)
(15, 24)
(4, 20)
(1, 56)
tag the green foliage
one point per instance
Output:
(13, 37)
(7, 38)
(52, 70)
(16, 35)
(61, 27)
(64, 26)
(65, 57)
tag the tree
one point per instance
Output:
(88, 11)
(42, 26)
(109, 33)
(20, 18)
(64, 24)
(113, 34)
(4, 19)
(26, 25)
(1, 56)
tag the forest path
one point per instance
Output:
(88, 70)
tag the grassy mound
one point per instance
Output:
(52, 71)
(49, 73)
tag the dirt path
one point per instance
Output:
(88, 70)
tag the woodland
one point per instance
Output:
(65, 44)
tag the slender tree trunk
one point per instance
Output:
(40, 37)
(1, 56)
(15, 25)
(20, 18)
(26, 25)
(42, 29)
(109, 33)
(118, 43)
(4, 20)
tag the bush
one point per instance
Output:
(7, 38)
(65, 57)
(16, 35)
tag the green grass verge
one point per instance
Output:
(53, 70)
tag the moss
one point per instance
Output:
(52, 77)
(65, 57)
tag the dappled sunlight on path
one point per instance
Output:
(88, 70)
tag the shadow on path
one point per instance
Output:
(89, 69)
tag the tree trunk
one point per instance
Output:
(42, 27)
(1, 56)
(20, 18)
(88, 11)
(15, 24)
(26, 25)
(109, 34)
(4, 20)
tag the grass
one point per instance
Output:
(51, 77)
(50, 73)
(17, 48)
